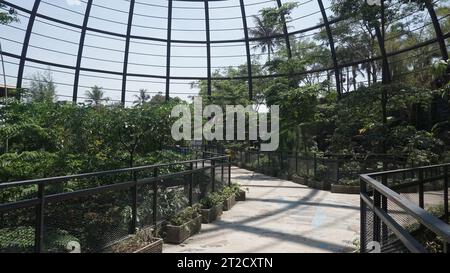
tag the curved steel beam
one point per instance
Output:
(127, 52)
(286, 33)
(437, 28)
(379, 32)
(26, 42)
(80, 50)
(169, 45)
(208, 48)
(337, 73)
(247, 48)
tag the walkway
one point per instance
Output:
(279, 216)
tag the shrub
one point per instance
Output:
(212, 200)
(185, 215)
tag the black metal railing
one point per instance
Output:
(405, 210)
(106, 206)
(329, 168)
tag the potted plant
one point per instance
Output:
(229, 198)
(183, 225)
(212, 206)
(240, 194)
(142, 242)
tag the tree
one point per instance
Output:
(264, 33)
(142, 98)
(7, 17)
(96, 96)
(42, 88)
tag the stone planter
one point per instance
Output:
(299, 179)
(129, 245)
(240, 196)
(319, 185)
(212, 214)
(179, 234)
(229, 203)
(345, 189)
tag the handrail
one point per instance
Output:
(382, 193)
(433, 223)
(101, 173)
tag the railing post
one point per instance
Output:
(363, 217)
(296, 162)
(376, 219)
(229, 172)
(258, 166)
(446, 245)
(191, 184)
(222, 169)
(213, 174)
(39, 229)
(155, 196)
(384, 207)
(315, 164)
(134, 205)
(421, 189)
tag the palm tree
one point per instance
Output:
(264, 33)
(95, 96)
(142, 98)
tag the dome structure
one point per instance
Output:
(166, 45)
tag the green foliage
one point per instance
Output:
(211, 200)
(42, 88)
(7, 17)
(185, 215)
(21, 239)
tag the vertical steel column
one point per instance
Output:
(26, 42)
(380, 37)
(337, 73)
(213, 175)
(286, 33)
(39, 228)
(155, 197)
(76, 80)
(446, 193)
(191, 184)
(208, 48)
(363, 218)
(247, 48)
(127, 51)
(421, 189)
(169, 45)
(437, 28)
(134, 205)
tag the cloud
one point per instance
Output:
(73, 2)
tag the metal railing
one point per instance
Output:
(135, 190)
(406, 210)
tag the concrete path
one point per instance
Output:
(279, 216)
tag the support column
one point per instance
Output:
(337, 73)
(26, 42)
(286, 33)
(80, 50)
(437, 28)
(169, 44)
(247, 48)
(127, 51)
(208, 47)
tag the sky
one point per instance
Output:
(58, 43)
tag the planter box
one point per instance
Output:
(320, 185)
(155, 245)
(299, 180)
(346, 189)
(240, 196)
(179, 234)
(212, 214)
(229, 203)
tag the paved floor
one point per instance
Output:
(279, 216)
